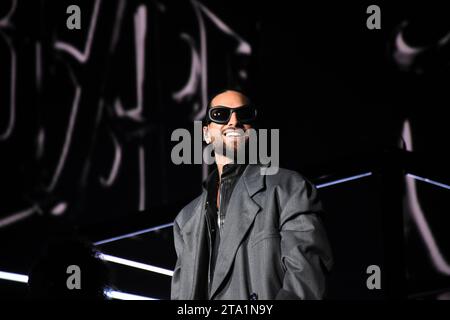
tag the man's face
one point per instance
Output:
(229, 138)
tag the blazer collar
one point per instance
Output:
(254, 180)
(240, 215)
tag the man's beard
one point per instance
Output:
(235, 151)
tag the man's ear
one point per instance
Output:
(206, 135)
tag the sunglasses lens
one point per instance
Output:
(247, 114)
(220, 115)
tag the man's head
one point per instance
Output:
(229, 117)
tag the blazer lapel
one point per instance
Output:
(240, 215)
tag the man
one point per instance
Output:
(248, 235)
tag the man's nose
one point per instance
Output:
(234, 121)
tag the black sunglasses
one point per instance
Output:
(221, 114)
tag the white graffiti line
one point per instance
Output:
(405, 48)
(18, 216)
(68, 139)
(198, 65)
(191, 85)
(142, 185)
(82, 57)
(5, 21)
(203, 60)
(444, 40)
(12, 101)
(243, 47)
(38, 65)
(116, 164)
(40, 143)
(140, 26)
(418, 215)
(203, 70)
(199, 62)
(117, 25)
(407, 137)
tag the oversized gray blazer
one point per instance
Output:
(273, 244)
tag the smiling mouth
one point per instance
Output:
(233, 133)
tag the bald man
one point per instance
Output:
(248, 235)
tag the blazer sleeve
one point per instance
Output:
(305, 251)
(178, 240)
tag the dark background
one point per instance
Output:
(332, 87)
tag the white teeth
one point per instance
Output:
(233, 134)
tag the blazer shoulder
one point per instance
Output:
(188, 211)
(289, 182)
(286, 177)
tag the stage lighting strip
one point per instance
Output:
(135, 264)
(433, 182)
(13, 277)
(167, 225)
(136, 233)
(112, 294)
(331, 183)
(167, 272)
(126, 296)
